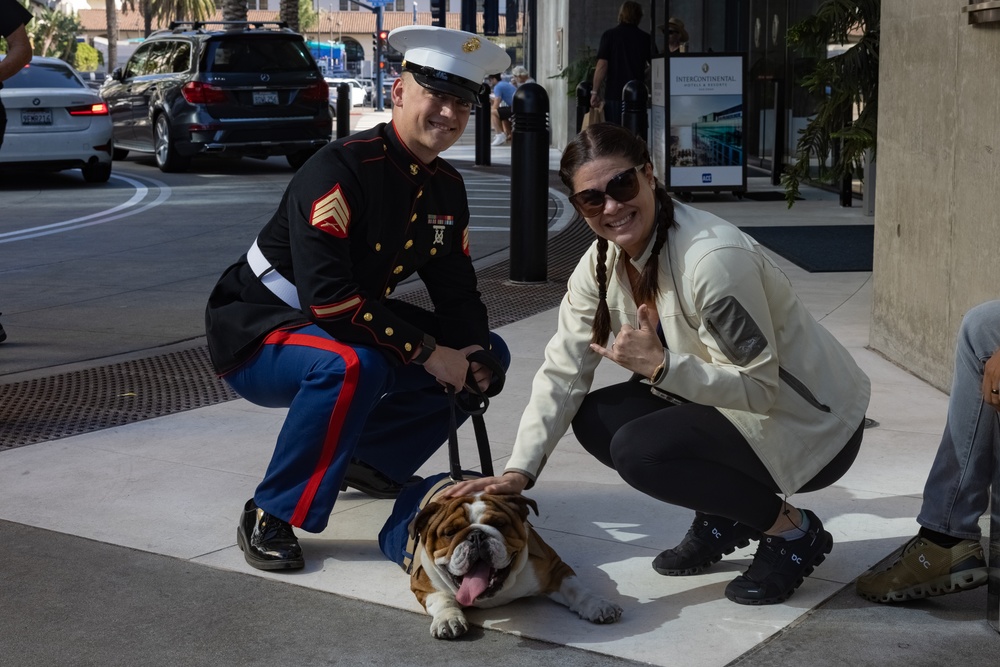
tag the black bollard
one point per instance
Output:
(529, 186)
(344, 104)
(634, 96)
(582, 103)
(483, 125)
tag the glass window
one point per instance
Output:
(233, 54)
(137, 62)
(181, 59)
(44, 75)
(159, 58)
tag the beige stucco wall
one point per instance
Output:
(937, 237)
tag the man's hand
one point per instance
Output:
(483, 375)
(449, 366)
(510, 483)
(991, 381)
(638, 350)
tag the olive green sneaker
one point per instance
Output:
(924, 569)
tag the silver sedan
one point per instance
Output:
(55, 122)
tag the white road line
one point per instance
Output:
(99, 218)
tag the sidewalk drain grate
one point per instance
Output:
(89, 400)
(113, 395)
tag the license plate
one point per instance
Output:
(36, 117)
(265, 97)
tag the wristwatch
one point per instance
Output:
(657, 374)
(427, 347)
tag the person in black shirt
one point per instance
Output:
(305, 320)
(623, 55)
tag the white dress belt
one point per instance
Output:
(274, 281)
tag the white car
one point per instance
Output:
(357, 91)
(55, 122)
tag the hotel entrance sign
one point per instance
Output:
(704, 142)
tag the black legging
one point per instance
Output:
(689, 454)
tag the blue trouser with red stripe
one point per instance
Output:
(344, 401)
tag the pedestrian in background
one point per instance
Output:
(623, 55)
(501, 109)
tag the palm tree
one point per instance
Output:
(844, 86)
(183, 10)
(111, 13)
(289, 13)
(145, 8)
(234, 10)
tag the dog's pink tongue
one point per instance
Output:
(473, 584)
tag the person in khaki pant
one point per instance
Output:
(946, 555)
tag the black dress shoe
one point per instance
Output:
(370, 481)
(267, 542)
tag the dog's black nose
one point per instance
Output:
(477, 541)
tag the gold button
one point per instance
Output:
(434, 251)
(368, 317)
(388, 291)
(413, 217)
(420, 194)
(378, 247)
(398, 270)
(408, 245)
(408, 347)
(388, 331)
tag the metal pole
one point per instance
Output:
(634, 115)
(778, 153)
(531, 55)
(344, 103)
(529, 187)
(378, 59)
(483, 130)
(583, 91)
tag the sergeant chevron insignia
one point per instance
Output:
(331, 213)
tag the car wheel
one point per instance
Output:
(167, 158)
(99, 172)
(296, 160)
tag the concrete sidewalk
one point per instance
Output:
(118, 545)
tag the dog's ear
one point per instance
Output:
(419, 522)
(522, 504)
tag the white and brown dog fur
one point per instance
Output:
(481, 551)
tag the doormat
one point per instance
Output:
(820, 248)
(767, 195)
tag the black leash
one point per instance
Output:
(473, 401)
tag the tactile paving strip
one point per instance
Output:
(88, 400)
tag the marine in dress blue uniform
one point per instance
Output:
(306, 319)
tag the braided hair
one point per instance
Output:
(603, 140)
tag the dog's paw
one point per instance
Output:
(449, 624)
(599, 610)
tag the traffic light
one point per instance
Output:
(512, 12)
(437, 13)
(491, 18)
(383, 39)
(374, 40)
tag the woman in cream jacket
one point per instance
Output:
(738, 394)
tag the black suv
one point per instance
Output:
(241, 88)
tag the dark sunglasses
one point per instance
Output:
(622, 187)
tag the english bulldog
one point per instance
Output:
(480, 551)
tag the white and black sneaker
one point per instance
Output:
(708, 539)
(780, 566)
